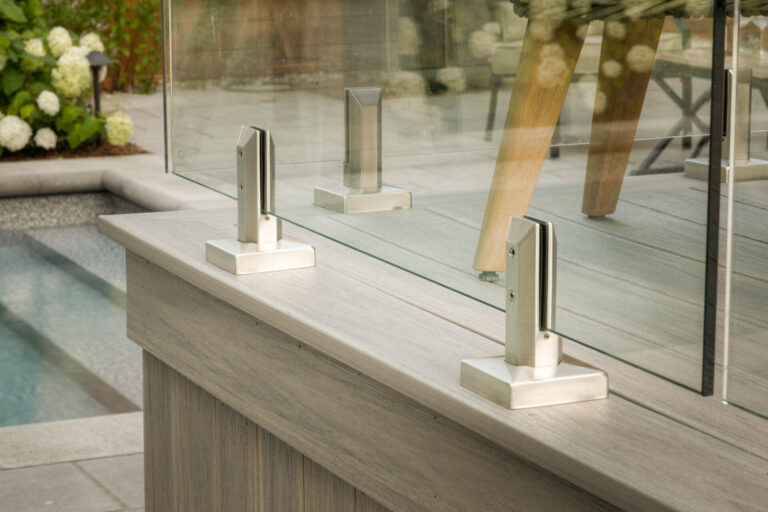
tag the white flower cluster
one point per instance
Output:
(91, 42)
(59, 41)
(119, 127)
(408, 37)
(34, 47)
(552, 72)
(405, 84)
(481, 44)
(14, 133)
(45, 138)
(615, 30)
(552, 69)
(601, 102)
(640, 58)
(48, 103)
(611, 68)
(72, 74)
(493, 28)
(542, 30)
(454, 79)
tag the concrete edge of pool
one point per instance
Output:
(52, 442)
(140, 179)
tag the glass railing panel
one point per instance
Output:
(598, 147)
(747, 345)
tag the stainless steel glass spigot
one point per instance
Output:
(362, 189)
(746, 168)
(533, 371)
(260, 246)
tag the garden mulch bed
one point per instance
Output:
(103, 149)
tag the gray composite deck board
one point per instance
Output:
(418, 355)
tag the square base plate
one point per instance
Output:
(246, 258)
(347, 200)
(755, 169)
(518, 387)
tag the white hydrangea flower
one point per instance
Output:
(119, 127)
(481, 44)
(45, 138)
(92, 42)
(454, 79)
(601, 102)
(552, 51)
(493, 28)
(640, 58)
(72, 74)
(3, 61)
(14, 133)
(542, 30)
(405, 84)
(48, 103)
(102, 73)
(34, 47)
(59, 41)
(611, 68)
(78, 50)
(552, 72)
(615, 30)
(408, 36)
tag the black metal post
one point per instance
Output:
(96, 90)
(717, 122)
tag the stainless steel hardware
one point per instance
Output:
(533, 372)
(259, 246)
(745, 168)
(362, 189)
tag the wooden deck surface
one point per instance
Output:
(631, 284)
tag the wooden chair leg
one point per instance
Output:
(541, 83)
(618, 102)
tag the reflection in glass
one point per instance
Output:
(581, 113)
(747, 350)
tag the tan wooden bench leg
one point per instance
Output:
(614, 125)
(538, 94)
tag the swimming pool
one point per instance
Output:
(63, 349)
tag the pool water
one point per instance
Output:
(63, 349)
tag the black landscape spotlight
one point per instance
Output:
(96, 60)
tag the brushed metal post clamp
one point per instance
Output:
(533, 372)
(260, 246)
(362, 190)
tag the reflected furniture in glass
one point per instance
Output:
(338, 387)
(286, 68)
(745, 349)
